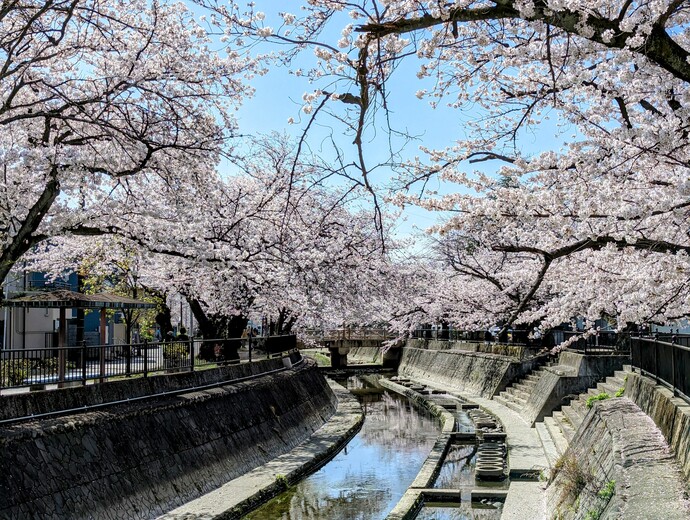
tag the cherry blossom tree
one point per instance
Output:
(98, 99)
(597, 225)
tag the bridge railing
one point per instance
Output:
(668, 363)
(352, 333)
(40, 366)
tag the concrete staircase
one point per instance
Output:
(517, 394)
(557, 431)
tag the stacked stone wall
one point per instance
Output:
(476, 373)
(142, 459)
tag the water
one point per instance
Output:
(370, 475)
(464, 511)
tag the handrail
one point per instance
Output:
(179, 391)
(25, 367)
(667, 363)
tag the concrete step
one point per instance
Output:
(565, 425)
(608, 388)
(501, 398)
(547, 443)
(615, 380)
(525, 387)
(556, 435)
(514, 405)
(533, 377)
(573, 416)
(519, 394)
(579, 406)
(621, 374)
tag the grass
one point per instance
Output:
(282, 481)
(572, 477)
(608, 490)
(594, 398)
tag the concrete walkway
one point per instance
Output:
(526, 460)
(244, 493)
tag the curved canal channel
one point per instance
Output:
(374, 470)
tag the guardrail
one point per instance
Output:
(27, 367)
(668, 363)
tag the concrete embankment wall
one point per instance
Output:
(671, 414)
(36, 403)
(477, 373)
(618, 465)
(364, 354)
(142, 459)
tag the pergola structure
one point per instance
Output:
(65, 299)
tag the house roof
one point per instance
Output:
(75, 300)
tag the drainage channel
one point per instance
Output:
(373, 471)
(472, 478)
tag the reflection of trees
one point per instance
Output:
(393, 422)
(456, 470)
(366, 479)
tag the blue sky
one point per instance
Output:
(278, 97)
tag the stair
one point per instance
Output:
(517, 394)
(558, 430)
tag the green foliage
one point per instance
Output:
(175, 353)
(282, 481)
(592, 514)
(321, 360)
(13, 372)
(620, 391)
(599, 397)
(608, 490)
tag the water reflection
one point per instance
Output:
(465, 511)
(368, 477)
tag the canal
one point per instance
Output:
(372, 472)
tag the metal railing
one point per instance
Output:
(27, 367)
(512, 336)
(666, 362)
(603, 342)
(354, 333)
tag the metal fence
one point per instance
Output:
(666, 362)
(27, 367)
(603, 342)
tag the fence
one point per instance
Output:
(603, 342)
(26, 367)
(354, 333)
(666, 362)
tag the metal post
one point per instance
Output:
(62, 342)
(656, 361)
(83, 362)
(146, 357)
(128, 359)
(191, 354)
(250, 349)
(673, 367)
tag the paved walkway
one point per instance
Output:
(238, 496)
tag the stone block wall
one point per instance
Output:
(480, 374)
(142, 459)
(34, 403)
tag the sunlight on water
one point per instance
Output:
(368, 477)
